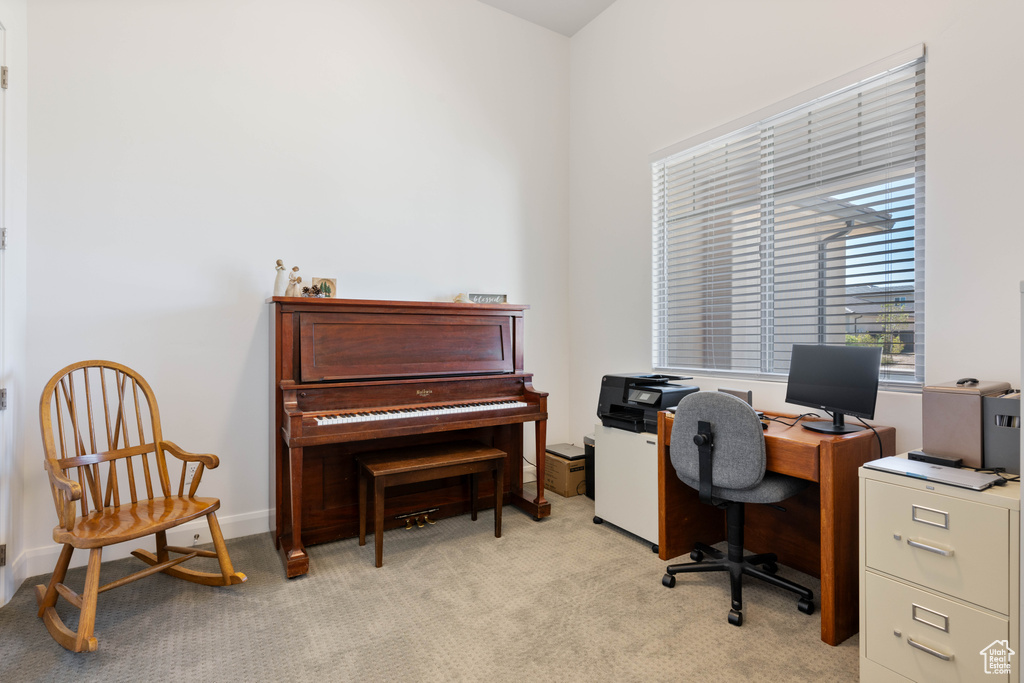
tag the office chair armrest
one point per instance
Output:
(209, 460)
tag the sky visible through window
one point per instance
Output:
(895, 198)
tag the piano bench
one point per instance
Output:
(380, 469)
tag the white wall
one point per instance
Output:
(413, 150)
(648, 73)
(13, 263)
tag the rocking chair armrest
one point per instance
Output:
(72, 489)
(208, 459)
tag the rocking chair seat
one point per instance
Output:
(134, 520)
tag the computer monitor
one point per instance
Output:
(840, 379)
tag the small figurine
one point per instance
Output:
(281, 280)
(293, 283)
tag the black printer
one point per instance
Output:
(632, 402)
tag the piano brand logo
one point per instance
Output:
(424, 392)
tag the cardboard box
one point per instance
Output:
(565, 477)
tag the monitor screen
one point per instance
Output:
(840, 379)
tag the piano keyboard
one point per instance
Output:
(400, 413)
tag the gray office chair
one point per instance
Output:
(718, 449)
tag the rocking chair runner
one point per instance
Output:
(100, 423)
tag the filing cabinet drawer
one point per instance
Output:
(928, 638)
(940, 542)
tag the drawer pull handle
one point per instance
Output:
(924, 648)
(913, 515)
(930, 548)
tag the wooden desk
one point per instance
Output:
(816, 533)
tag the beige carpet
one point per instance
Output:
(558, 600)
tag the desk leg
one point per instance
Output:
(840, 587)
(830, 517)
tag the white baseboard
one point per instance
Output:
(42, 560)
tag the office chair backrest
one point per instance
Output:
(738, 456)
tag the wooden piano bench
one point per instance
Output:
(381, 469)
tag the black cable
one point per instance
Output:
(790, 424)
(1001, 471)
(881, 453)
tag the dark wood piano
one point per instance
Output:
(352, 376)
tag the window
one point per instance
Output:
(805, 227)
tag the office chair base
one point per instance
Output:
(762, 566)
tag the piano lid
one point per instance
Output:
(351, 344)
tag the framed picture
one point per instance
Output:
(327, 286)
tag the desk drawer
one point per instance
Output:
(899, 615)
(940, 542)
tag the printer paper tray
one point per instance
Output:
(621, 422)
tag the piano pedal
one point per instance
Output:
(428, 520)
(419, 522)
(408, 523)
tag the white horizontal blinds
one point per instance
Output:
(802, 228)
(710, 287)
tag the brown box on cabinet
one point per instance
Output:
(565, 477)
(952, 418)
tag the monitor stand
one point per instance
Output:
(837, 426)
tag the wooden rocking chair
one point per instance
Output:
(116, 478)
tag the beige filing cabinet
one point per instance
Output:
(626, 481)
(939, 580)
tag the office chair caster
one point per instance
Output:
(654, 548)
(696, 555)
(735, 618)
(770, 568)
(668, 581)
(805, 606)
(598, 520)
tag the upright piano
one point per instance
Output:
(352, 376)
